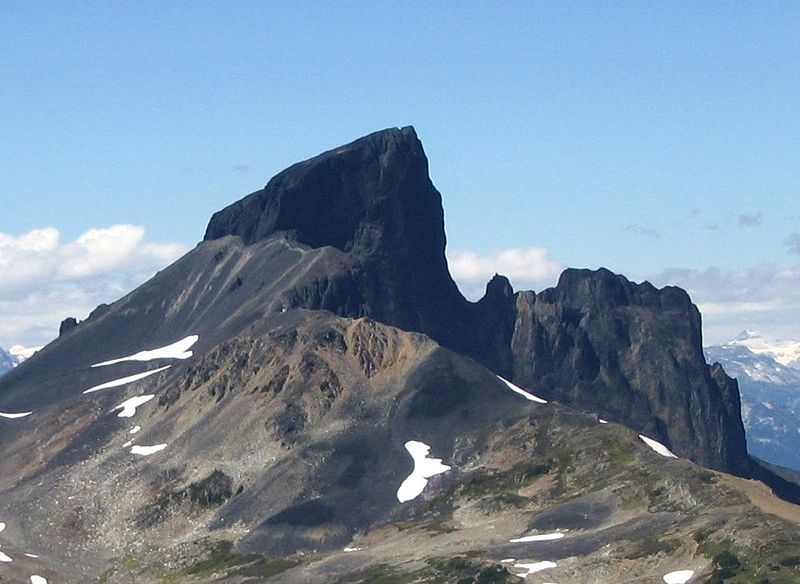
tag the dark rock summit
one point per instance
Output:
(373, 200)
(632, 354)
(629, 352)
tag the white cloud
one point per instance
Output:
(45, 280)
(765, 298)
(527, 268)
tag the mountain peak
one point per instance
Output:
(345, 198)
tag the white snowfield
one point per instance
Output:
(129, 406)
(534, 567)
(786, 353)
(540, 537)
(351, 549)
(38, 580)
(147, 450)
(2, 526)
(679, 577)
(124, 380)
(14, 415)
(31, 556)
(424, 468)
(657, 447)
(135, 429)
(177, 350)
(522, 392)
(5, 558)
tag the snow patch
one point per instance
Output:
(129, 406)
(534, 567)
(124, 380)
(135, 429)
(31, 556)
(657, 447)
(2, 526)
(128, 443)
(14, 415)
(522, 392)
(148, 450)
(679, 577)
(351, 549)
(38, 580)
(602, 421)
(5, 558)
(540, 537)
(177, 350)
(424, 468)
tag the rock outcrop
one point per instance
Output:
(597, 341)
(632, 354)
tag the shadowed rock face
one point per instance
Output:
(372, 199)
(597, 341)
(633, 354)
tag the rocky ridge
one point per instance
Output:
(631, 352)
(278, 373)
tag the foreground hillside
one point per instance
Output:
(284, 449)
(305, 397)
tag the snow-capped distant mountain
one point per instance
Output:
(770, 395)
(19, 353)
(14, 356)
(784, 352)
(6, 361)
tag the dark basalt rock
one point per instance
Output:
(630, 352)
(374, 200)
(67, 325)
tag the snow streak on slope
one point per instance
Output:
(124, 380)
(679, 577)
(522, 392)
(177, 350)
(147, 450)
(534, 567)
(540, 537)
(657, 447)
(129, 406)
(424, 468)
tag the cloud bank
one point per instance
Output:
(45, 280)
(765, 298)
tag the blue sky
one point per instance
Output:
(657, 139)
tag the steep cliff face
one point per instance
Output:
(596, 341)
(631, 353)
(373, 200)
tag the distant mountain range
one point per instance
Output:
(6, 362)
(14, 356)
(770, 393)
(784, 352)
